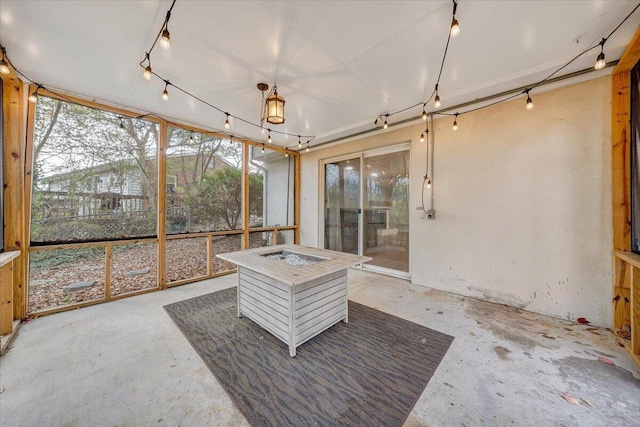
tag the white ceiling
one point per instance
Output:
(338, 64)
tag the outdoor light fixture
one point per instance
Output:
(226, 122)
(34, 96)
(272, 106)
(147, 73)
(455, 28)
(165, 41)
(436, 101)
(455, 123)
(529, 103)
(600, 62)
(269, 137)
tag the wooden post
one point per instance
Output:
(6, 298)
(245, 195)
(107, 272)
(296, 199)
(162, 201)
(14, 209)
(620, 161)
(635, 310)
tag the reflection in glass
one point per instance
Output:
(342, 202)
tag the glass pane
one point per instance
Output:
(133, 267)
(186, 258)
(341, 203)
(271, 188)
(65, 277)
(94, 174)
(221, 245)
(386, 219)
(204, 182)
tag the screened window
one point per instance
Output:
(94, 174)
(204, 183)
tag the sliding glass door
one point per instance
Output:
(366, 208)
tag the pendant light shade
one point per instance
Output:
(275, 108)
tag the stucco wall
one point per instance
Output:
(523, 202)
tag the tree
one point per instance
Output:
(218, 197)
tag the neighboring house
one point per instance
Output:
(118, 187)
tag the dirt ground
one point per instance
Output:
(133, 268)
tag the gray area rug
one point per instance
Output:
(369, 372)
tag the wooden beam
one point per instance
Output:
(630, 56)
(296, 199)
(14, 160)
(162, 200)
(245, 196)
(620, 161)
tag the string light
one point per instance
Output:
(269, 137)
(191, 138)
(529, 101)
(34, 96)
(436, 101)
(600, 62)
(165, 40)
(226, 122)
(385, 125)
(148, 72)
(4, 67)
(286, 154)
(455, 122)
(299, 142)
(262, 148)
(428, 182)
(307, 149)
(424, 135)
(424, 113)
(165, 93)
(455, 27)
(121, 122)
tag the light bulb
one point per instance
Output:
(147, 73)
(4, 67)
(263, 149)
(385, 126)
(529, 103)
(299, 144)
(191, 139)
(226, 122)
(437, 102)
(455, 28)
(33, 98)
(455, 125)
(286, 154)
(307, 149)
(165, 95)
(422, 137)
(424, 115)
(428, 182)
(600, 62)
(165, 41)
(269, 138)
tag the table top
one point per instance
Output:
(288, 274)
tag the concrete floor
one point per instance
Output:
(126, 364)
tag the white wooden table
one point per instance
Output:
(294, 303)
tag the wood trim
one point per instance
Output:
(209, 255)
(14, 160)
(279, 228)
(620, 162)
(630, 56)
(107, 272)
(7, 257)
(296, 199)
(629, 257)
(161, 197)
(6, 297)
(245, 196)
(200, 278)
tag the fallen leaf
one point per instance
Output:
(582, 320)
(606, 360)
(570, 399)
(587, 402)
